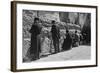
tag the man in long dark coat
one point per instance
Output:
(76, 39)
(55, 36)
(67, 45)
(35, 44)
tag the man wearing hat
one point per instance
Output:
(35, 44)
(55, 36)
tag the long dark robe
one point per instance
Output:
(67, 45)
(55, 37)
(35, 44)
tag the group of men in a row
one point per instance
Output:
(55, 31)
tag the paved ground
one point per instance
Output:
(76, 53)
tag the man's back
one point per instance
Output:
(55, 31)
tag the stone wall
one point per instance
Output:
(47, 16)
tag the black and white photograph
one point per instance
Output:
(53, 36)
(56, 36)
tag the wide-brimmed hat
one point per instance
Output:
(36, 18)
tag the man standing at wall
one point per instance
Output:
(55, 36)
(35, 43)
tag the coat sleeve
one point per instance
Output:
(58, 33)
(32, 29)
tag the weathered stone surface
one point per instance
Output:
(62, 18)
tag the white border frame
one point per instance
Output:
(35, 65)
